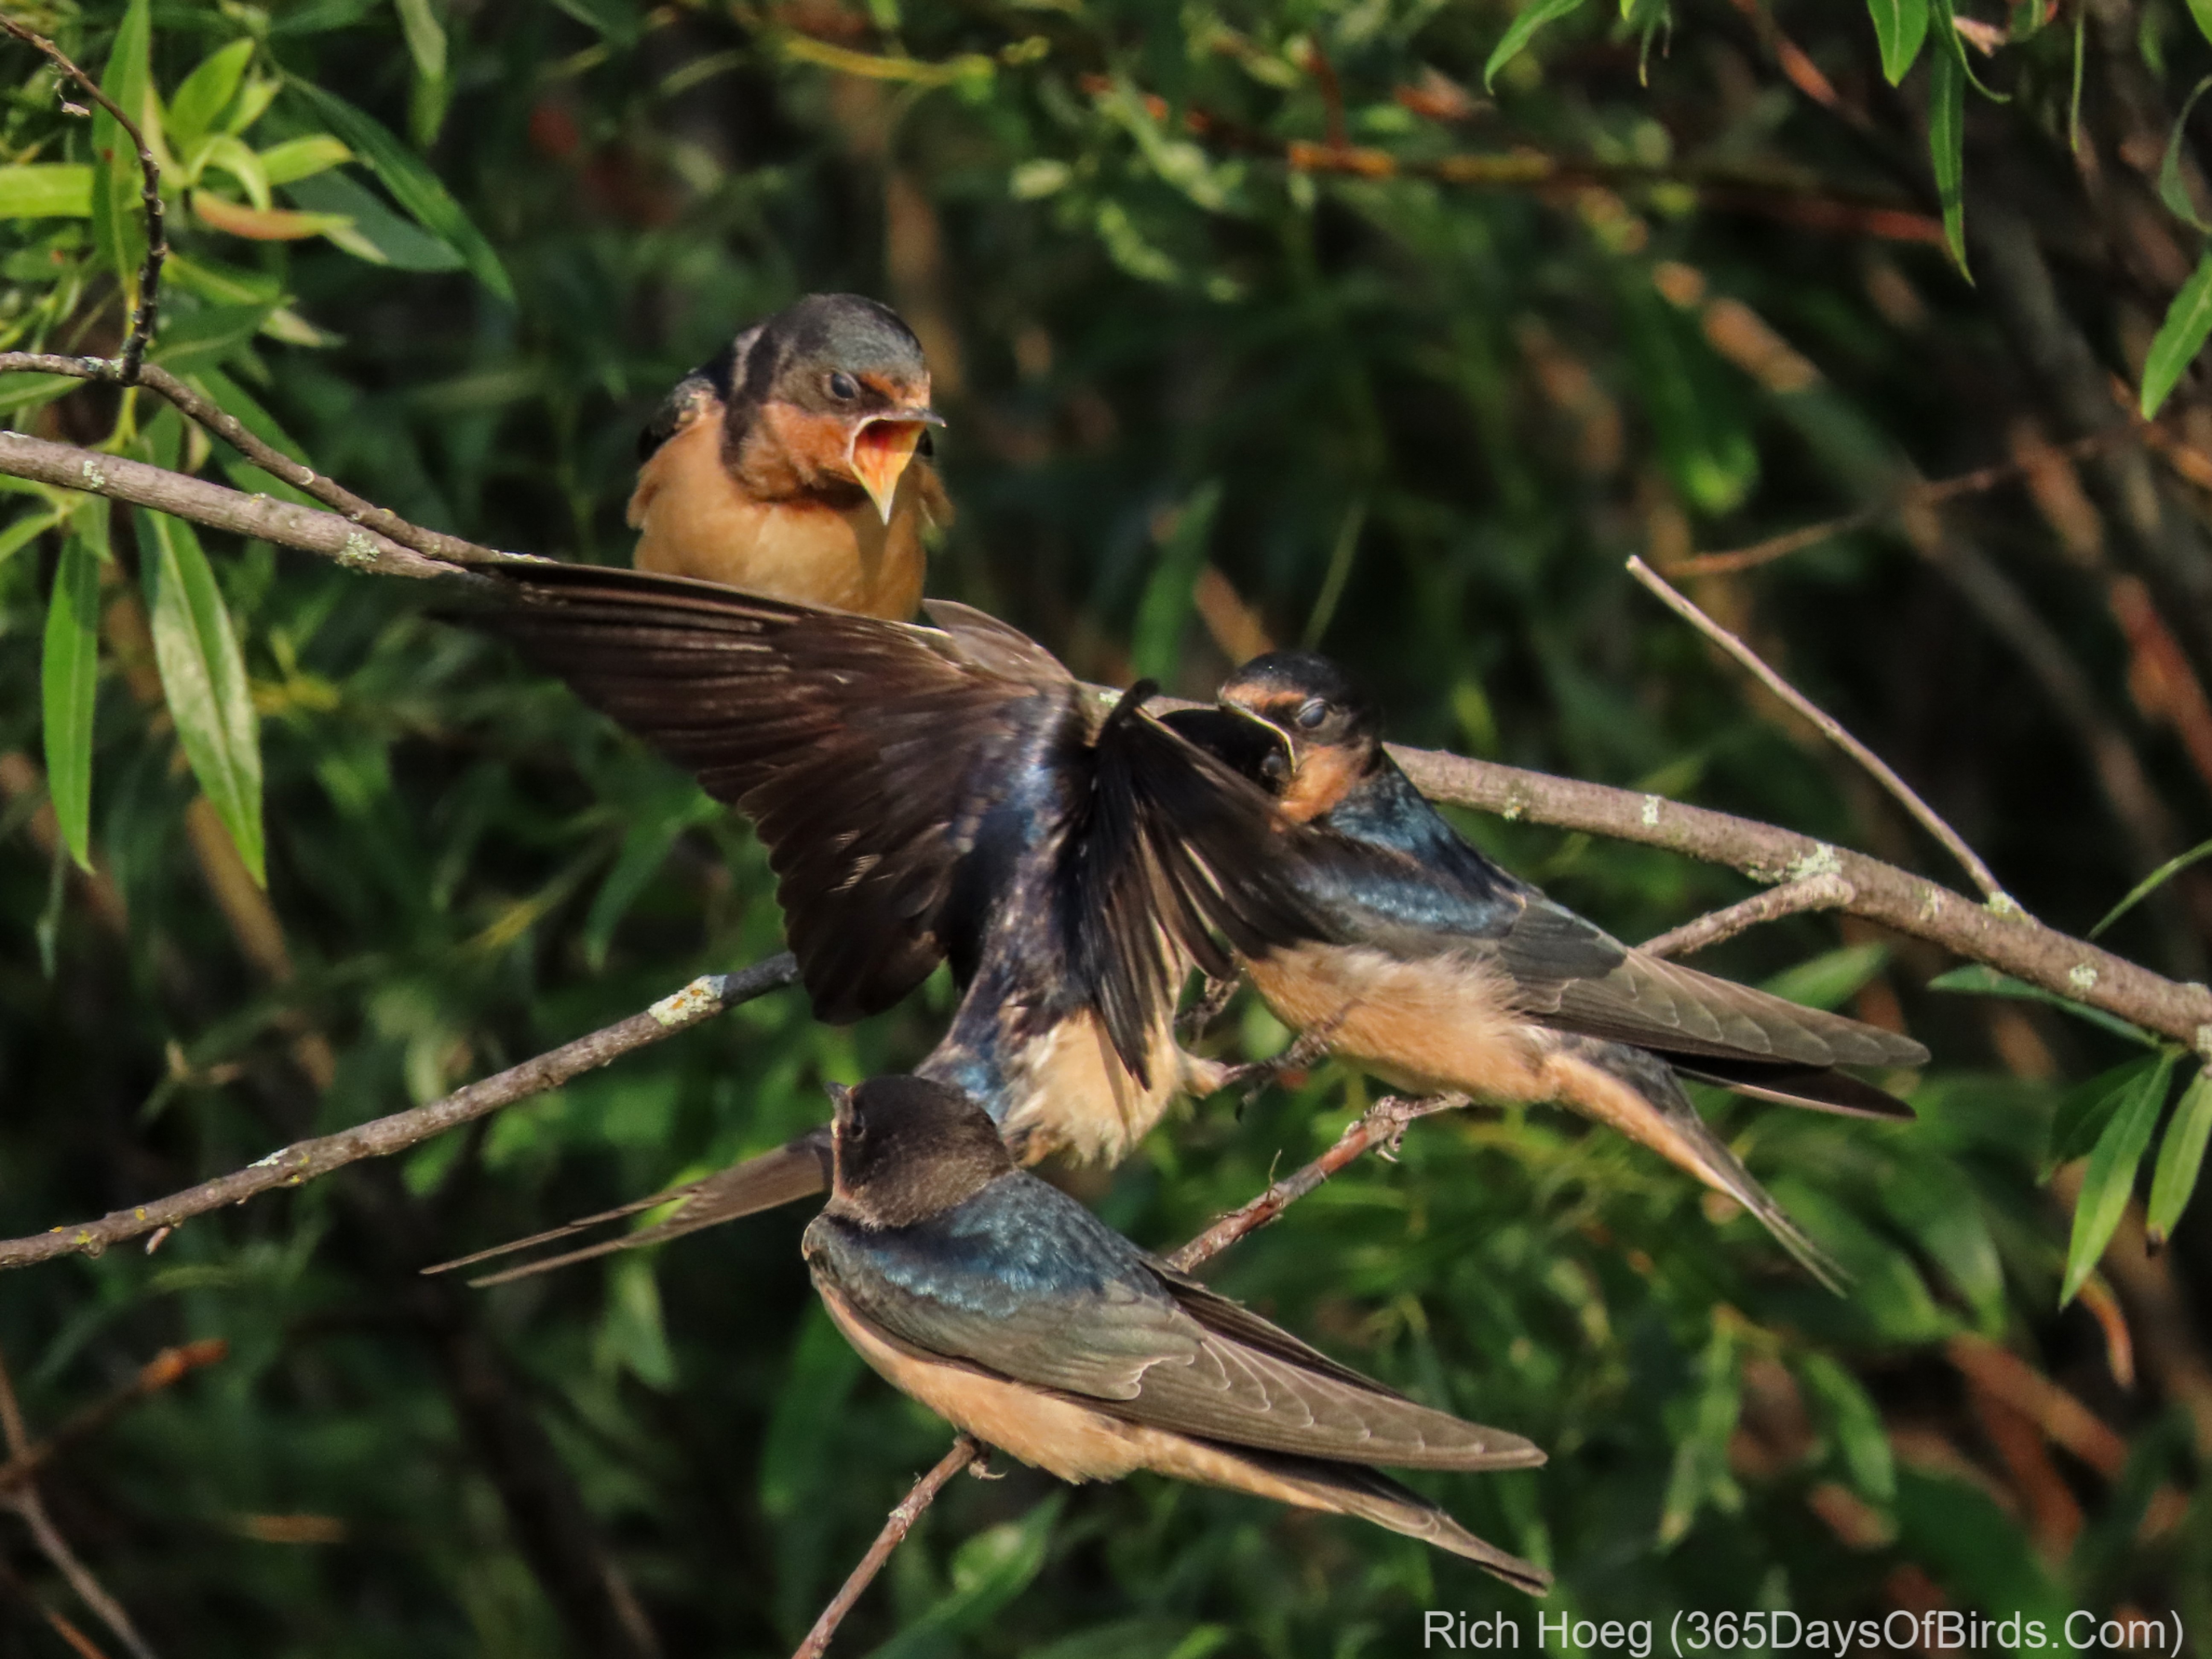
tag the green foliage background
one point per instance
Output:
(1419, 422)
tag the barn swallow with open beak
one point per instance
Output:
(1011, 1311)
(1438, 971)
(946, 794)
(795, 463)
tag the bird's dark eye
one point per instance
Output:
(844, 387)
(1311, 714)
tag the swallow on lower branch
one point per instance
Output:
(946, 794)
(1010, 1311)
(1438, 971)
(795, 463)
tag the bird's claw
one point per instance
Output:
(1203, 1013)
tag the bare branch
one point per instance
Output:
(1826, 892)
(26, 1503)
(965, 1450)
(309, 1160)
(1830, 728)
(1381, 1125)
(164, 1369)
(213, 505)
(382, 521)
(126, 366)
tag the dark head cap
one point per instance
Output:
(907, 1148)
(1308, 698)
(840, 353)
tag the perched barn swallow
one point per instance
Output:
(1436, 970)
(1011, 1311)
(946, 794)
(793, 463)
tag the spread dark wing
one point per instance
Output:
(868, 752)
(1024, 1282)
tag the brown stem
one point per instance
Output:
(308, 1160)
(965, 1450)
(126, 367)
(1826, 892)
(167, 1368)
(227, 427)
(1829, 727)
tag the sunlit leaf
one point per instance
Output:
(412, 184)
(2180, 338)
(426, 38)
(1947, 142)
(51, 190)
(1532, 16)
(2180, 1157)
(302, 158)
(206, 94)
(2202, 11)
(1900, 27)
(262, 224)
(69, 677)
(204, 679)
(2110, 1180)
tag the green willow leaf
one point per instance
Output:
(2157, 879)
(1532, 17)
(412, 184)
(1900, 27)
(2171, 189)
(1978, 980)
(1947, 146)
(2087, 1107)
(204, 678)
(206, 94)
(2180, 338)
(2202, 11)
(2180, 1157)
(70, 681)
(2111, 1179)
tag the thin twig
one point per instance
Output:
(965, 1450)
(1681, 606)
(1825, 891)
(157, 243)
(164, 1369)
(1921, 495)
(32, 1507)
(79, 1643)
(1381, 1125)
(309, 1160)
(380, 521)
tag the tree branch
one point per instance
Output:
(125, 369)
(309, 1160)
(214, 506)
(164, 1369)
(1380, 1126)
(1829, 727)
(1826, 892)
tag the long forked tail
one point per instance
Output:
(795, 1170)
(1639, 1095)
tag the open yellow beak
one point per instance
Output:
(882, 446)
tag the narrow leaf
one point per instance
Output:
(2202, 11)
(1981, 980)
(70, 682)
(206, 93)
(412, 184)
(1532, 16)
(2180, 337)
(2157, 879)
(2180, 1156)
(117, 230)
(1947, 145)
(2086, 1108)
(204, 678)
(2171, 190)
(1900, 27)
(2111, 1179)
(426, 38)
(46, 190)
(302, 158)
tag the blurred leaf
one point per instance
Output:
(1155, 643)
(1145, 1637)
(1532, 16)
(412, 184)
(204, 95)
(2202, 11)
(1900, 27)
(2180, 338)
(989, 1571)
(118, 229)
(302, 158)
(50, 190)
(1830, 980)
(1946, 141)
(204, 680)
(199, 339)
(1980, 980)
(2172, 190)
(70, 679)
(1854, 1421)
(806, 1423)
(235, 157)
(2180, 1157)
(632, 1335)
(2157, 879)
(2110, 1181)
(1703, 1423)
(259, 224)
(426, 38)
(2086, 1108)
(33, 523)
